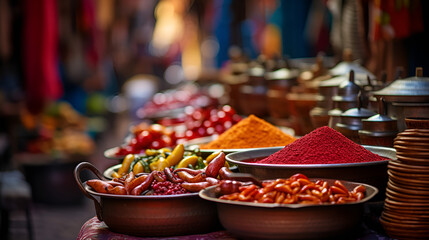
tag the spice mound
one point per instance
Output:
(322, 146)
(251, 132)
(297, 189)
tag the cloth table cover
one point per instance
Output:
(96, 230)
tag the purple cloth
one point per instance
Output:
(95, 230)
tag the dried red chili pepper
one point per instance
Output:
(296, 189)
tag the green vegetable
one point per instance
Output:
(146, 167)
(200, 163)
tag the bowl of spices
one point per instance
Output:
(282, 208)
(250, 133)
(158, 204)
(324, 152)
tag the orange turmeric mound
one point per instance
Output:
(251, 132)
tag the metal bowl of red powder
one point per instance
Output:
(373, 173)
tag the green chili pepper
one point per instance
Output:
(197, 151)
(145, 166)
(136, 159)
(200, 163)
(153, 159)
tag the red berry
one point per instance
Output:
(156, 144)
(144, 139)
(189, 134)
(227, 124)
(156, 130)
(228, 110)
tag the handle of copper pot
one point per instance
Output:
(82, 166)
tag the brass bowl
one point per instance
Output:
(249, 220)
(408, 168)
(412, 179)
(413, 160)
(400, 230)
(408, 189)
(417, 123)
(372, 173)
(407, 219)
(403, 197)
(150, 216)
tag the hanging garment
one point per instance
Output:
(40, 53)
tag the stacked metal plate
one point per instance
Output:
(406, 207)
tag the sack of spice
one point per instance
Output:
(251, 132)
(323, 145)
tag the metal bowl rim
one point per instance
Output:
(151, 197)
(334, 165)
(203, 195)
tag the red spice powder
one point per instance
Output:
(322, 146)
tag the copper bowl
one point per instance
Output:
(417, 123)
(373, 173)
(248, 220)
(150, 216)
(400, 229)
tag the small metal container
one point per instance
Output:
(380, 129)
(327, 89)
(351, 123)
(345, 99)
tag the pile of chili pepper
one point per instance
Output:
(297, 189)
(191, 180)
(159, 159)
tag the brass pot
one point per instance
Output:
(150, 216)
(408, 97)
(412, 89)
(351, 123)
(380, 129)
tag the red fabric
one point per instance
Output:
(40, 53)
(91, 32)
(95, 230)
(395, 19)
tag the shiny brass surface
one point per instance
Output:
(412, 89)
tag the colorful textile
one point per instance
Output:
(40, 53)
(95, 230)
(395, 19)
